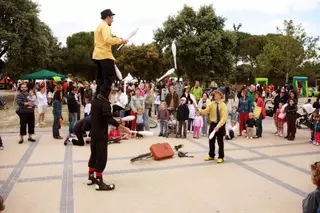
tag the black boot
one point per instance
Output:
(92, 179)
(101, 186)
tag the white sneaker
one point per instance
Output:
(281, 135)
(247, 137)
(276, 134)
(43, 123)
(1, 147)
(314, 143)
(317, 144)
(37, 125)
(251, 138)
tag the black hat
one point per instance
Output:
(106, 13)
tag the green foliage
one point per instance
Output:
(205, 51)
(288, 51)
(79, 55)
(202, 44)
(26, 43)
(143, 61)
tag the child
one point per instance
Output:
(1, 144)
(197, 125)
(312, 123)
(32, 98)
(291, 118)
(163, 117)
(172, 124)
(157, 103)
(250, 123)
(280, 121)
(87, 108)
(192, 114)
(182, 117)
(317, 131)
(312, 202)
(114, 135)
(139, 122)
(234, 116)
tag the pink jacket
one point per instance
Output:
(198, 121)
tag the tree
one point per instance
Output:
(288, 51)
(25, 41)
(144, 61)
(202, 44)
(79, 55)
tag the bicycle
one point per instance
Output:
(152, 123)
(149, 154)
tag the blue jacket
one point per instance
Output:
(244, 105)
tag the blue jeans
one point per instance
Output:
(164, 128)
(146, 121)
(204, 129)
(55, 126)
(156, 109)
(73, 120)
(259, 126)
(122, 113)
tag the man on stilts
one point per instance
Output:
(218, 116)
(102, 53)
(101, 114)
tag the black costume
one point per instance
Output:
(79, 129)
(101, 117)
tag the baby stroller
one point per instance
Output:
(3, 104)
(269, 108)
(172, 127)
(304, 115)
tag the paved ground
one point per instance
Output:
(266, 175)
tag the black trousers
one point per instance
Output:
(105, 75)
(26, 119)
(78, 113)
(80, 141)
(291, 124)
(99, 155)
(182, 126)
(219, 137)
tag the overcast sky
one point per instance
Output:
(66, 17)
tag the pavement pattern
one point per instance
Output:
(266, 175)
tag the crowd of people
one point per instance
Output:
(180, 108)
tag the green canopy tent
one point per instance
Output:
(41, 75)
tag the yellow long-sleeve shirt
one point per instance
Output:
(212, 107)
(103, 41)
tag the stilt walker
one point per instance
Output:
(102, 53)
(101, 114)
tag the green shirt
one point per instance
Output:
(250, 96)
(197, 93)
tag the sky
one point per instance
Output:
(66, 17)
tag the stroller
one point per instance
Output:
(3, 104)
(304, 115)
(269, 108)
(172, 126)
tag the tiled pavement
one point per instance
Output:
(265, 175)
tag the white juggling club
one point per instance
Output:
(169, 72)
(129, 37)
(174, 53)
